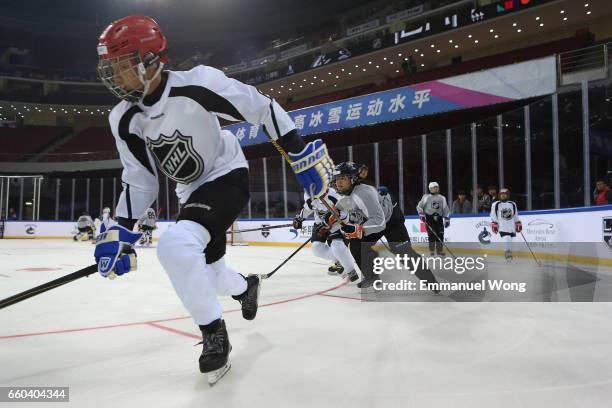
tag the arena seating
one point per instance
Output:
(17, 142)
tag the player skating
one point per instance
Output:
(505, 220)
(327, 240)
(86, 228)
(168, 122)
(147, 223)
(435, 214)
(365, 221)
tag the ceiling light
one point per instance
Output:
(329, 73)
(314, 77)
(304, 79)
(391, 62)
(342, 69)
(312, 83)
(519, 30)
(538, 18)
(562, 11)
(513, 24)
(541, 24)
(422, 55)
(369, 62)
(416, 50)
(422, 65)
(589, 12)
(433, 46)
(397, 71)
(290, 89)
(437, 50)
(586, 4)
(450, 41)
(399, 54)
(385, 58)
(293, 83)
(491, 30)
(470, 36)
(364, 70)
(337, 77)
(476, 41)
(301, 86)
(564, 18)
(356, 66)
(378, 66)
(349, 73)
(456, 45)
(282, 86)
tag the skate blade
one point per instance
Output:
(216, 375)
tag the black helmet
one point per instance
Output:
(349, 169)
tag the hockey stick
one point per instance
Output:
(528, 246)
(439, 240)
(48, 286)
(267, 275)
(259, 229)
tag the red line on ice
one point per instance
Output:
(151, 322)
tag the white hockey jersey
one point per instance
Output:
(176, 130)
(318, 209)
(148, 218)
(505, 213)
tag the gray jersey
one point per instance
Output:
(433, 204)
(180, 135)
(148, 218)
(363, 207)
(85, 221)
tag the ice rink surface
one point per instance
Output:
(314, 343)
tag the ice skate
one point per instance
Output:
(352, 276)
(335, 269)
(214, 360)
(248, 300)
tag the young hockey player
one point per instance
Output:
(364, 221)
(146, 224)
(168, 122)
(86, 228)
(434, 213)
(327, 241)
(505, 220)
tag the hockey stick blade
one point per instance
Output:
(48, 286)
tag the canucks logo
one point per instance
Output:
(30, 229)
(176, 157)
(484, 237)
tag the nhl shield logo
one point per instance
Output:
(176, 157)
(265, 232)
(607, 231)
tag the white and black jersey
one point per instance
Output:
(176, 130)
(505, 213)
(364, 207)
(433, 204)
(85, 221)
(148, 219)
(314, 206)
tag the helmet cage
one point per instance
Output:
(110, 69)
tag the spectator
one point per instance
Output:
(484, 200)
(493, 194)
(12, 215)
(461, 205)
(602, 194)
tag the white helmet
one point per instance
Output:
(106, 210)
(432, 185)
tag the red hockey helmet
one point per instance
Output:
(127, 47)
